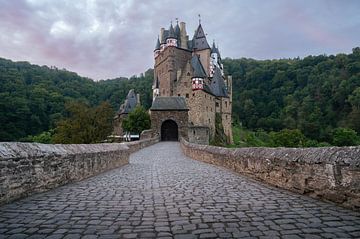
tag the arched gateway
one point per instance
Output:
(169, 131)
(169, 118)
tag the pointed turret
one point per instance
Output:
(199, 39)
(157, 48)
(171, 39)
(177, 31)
(214, 49)
(171, 32)
(199, 73)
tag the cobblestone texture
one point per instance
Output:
(163, 194)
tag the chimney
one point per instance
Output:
(183, 37)
(137, 99)
(162, 35)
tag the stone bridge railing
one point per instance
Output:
(27, 168)
(331, 173)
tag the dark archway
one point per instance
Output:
(169, 131)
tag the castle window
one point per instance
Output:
(185, 84)
(225, 103)
(188, 74)
(194, 132)
(217, 104)
(187, 95)
(193, 94)
(178, 94)
(226, 116)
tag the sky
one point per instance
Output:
(103, 39)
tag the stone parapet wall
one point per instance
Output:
(331, 173)
(137, 145)
(27, 168)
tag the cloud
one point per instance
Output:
(106, 39)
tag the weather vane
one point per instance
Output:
(199, 19)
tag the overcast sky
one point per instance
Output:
(107, 39)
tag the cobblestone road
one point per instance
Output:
(162, 194)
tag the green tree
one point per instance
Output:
(344, 137)
(288, 138)
(84, 124)
(137, 121)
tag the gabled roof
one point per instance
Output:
(197, 67)
(169, 103)
(217, 85)
(199, 39)
(129, 104)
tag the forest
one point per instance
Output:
(315, 97)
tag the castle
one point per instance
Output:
(189, 77)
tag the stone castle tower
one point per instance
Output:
(191, 69)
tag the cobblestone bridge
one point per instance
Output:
(163, 194)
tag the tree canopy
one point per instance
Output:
(137, 121)
(315, 95)
(84, 124)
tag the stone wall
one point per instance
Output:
(27, 168)
(180, 117)
(331, 173)
(199, 135)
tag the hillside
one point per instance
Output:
(315, 94)
(32, 97)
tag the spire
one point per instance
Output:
(214, 49)
(157, 46)
(199, 39)
(171, 31)
(177, 29)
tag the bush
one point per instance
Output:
(344, 137)
(137, 121)
(288, 138)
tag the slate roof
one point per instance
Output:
(171, 32)
(129, 104)
(214, 49)
(169, 103)
(197, 67)
(217, 85)
(177, 31)
(199, 39)
(164, 36)
(156, 83)
(157, 47)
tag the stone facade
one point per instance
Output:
(27, 168)
(179, 117)
(331, 173)
(199, 135)
(179, 63)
